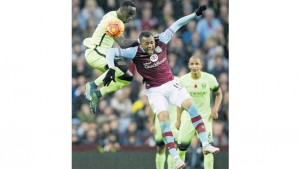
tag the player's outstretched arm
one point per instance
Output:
(126, 43)
(167, 35)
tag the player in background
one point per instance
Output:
(97, 47)
(150, 59)
(200, 85)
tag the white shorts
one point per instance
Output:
(169, 93)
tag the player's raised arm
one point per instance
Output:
(110, 58)
(167, 35)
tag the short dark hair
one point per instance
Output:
(146, 34)
(127, 3)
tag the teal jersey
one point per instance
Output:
(200, 91)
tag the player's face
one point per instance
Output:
(148, 44)
(128, 13)
(195, 65)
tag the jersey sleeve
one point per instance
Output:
(166, 36)
(128, 53)
(213, 83)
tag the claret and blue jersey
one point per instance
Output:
(154, 69)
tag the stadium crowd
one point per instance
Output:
(121, 118)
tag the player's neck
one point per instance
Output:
(196, 75)
(119, 14)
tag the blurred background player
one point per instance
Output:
(200, 85)
(97, 47)
(150, 59)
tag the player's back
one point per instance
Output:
(100, 39)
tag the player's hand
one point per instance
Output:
(110, 76)
(214, 114)
(152, 129)
(177, 124)
(200, 10)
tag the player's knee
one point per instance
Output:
(160, 146)
(186, 104)
(183, 146)
(126, 77)
(121, 65)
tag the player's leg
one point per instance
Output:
(173, 117)
(185, 135)
(159, 105)
(208, 158)
(170, 162)
(168, 138)
(198, 124)
(96, 61)
(181, 98)
(160, 156)
(122, 79)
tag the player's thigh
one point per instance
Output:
(157, 100)
(178, 93)
(95, 60)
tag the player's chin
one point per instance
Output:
(150, 52)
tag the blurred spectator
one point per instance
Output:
(108, 115)
(81, 23)
(109, 5)
(85, 115)
(138, 110)
(79, 98)
(131, 137)
(104, 131)
(220, 139)
(122, 105)
(216, 62)
(91, 137)
(174, 65)
(207, 25)
(80, 68)
(75, 131)
(187, 35)
(148, 21)
(92, 11)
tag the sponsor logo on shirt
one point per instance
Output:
(149, 66)
(154, 57)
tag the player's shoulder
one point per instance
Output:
(207, 75)
(185, 77)
(109, 15)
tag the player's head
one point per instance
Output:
(195, 64)
(147, 42)
(126, 11)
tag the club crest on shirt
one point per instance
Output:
(158, 49)
(154, 57)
